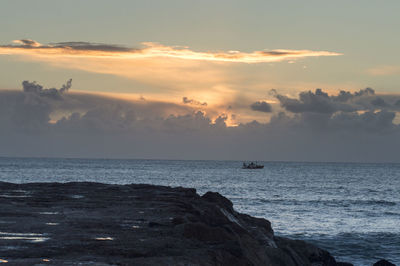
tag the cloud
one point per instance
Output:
(63, 47)
(89, 125)
(381, 121)
(27, 43)
(364, 92)
(320, 102)
(315, 102)
(379, 102)
(87, 49)
(261, 106)
(33, 87)
(360, 111)
(186, 100)
(88, 46)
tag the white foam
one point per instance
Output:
(52, 223)
(48, 213)
(31, 237)
(104, 238)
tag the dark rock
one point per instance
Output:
(205, 233)
(216, 198)
(99, 224)
(383, 263)
(177, 220)
(155, 224)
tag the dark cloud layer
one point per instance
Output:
(379, 102)
(320, 102)
(33, 87)
(314, 127)
(89, 46)
(186, 100)
(261, 106)
(79, 46)
(28, 42)
(315, 102)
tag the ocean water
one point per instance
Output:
(352, 210)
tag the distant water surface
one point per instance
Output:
(352, 210)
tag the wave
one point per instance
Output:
(333, 202)
(358, 248)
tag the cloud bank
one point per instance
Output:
(315, 126)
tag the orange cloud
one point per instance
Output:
(85, 49)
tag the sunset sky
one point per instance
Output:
(265, 80)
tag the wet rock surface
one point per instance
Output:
(100, 224)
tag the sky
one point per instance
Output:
(230, 80)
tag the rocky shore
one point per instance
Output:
(99, 224)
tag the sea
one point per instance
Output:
(350, 209)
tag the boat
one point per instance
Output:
(252, 166)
